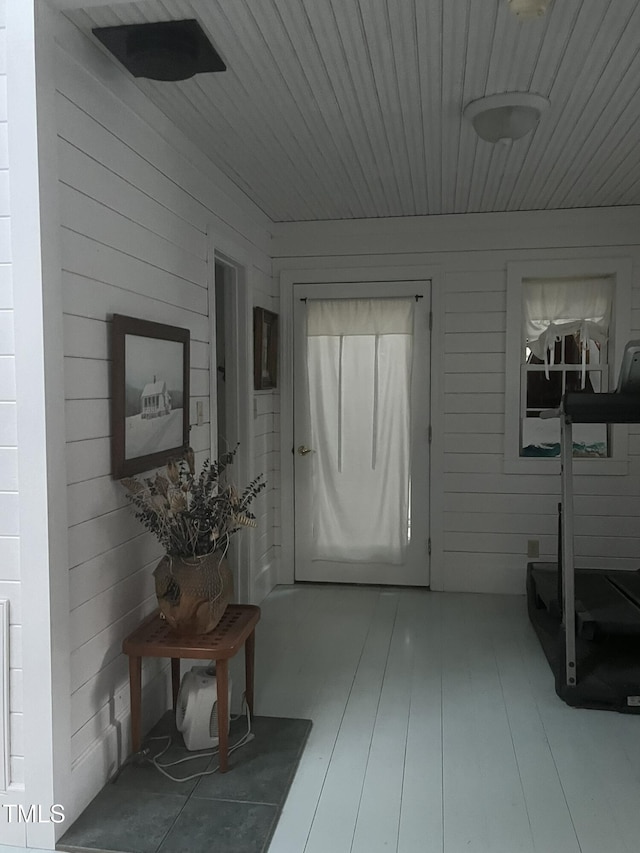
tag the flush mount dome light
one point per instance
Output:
(168, 50)
(505, 117)
(528, 9)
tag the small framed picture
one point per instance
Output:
(265, 349)
(149, 394)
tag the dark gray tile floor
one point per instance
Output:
(142, 811)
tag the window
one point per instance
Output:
(564, 348)
(567, 323)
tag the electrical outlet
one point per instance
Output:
(199, 413)
(533, 548)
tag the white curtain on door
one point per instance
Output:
(359, 357)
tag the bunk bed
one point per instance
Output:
(588, 621)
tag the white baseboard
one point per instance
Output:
(5, 849)
(14, 834)
(5, 741)
(499, 580)
(263, 582)
(101, 760)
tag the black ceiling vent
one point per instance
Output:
(169, 50)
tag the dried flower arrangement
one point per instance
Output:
(193, 515)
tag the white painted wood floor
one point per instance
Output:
(436, 728)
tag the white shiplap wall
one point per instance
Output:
(266, 449)
(267, 505)
(136, 204)
(482, 517)
(9, 529)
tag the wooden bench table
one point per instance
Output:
(154, 638)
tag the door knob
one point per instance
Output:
(302, 450)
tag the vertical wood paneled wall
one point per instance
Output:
(266, 419)
(136, 204)
(12, 740)
(486, 515)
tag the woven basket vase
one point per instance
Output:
(193, 592)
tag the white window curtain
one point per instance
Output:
(359, 354)
(556, 308)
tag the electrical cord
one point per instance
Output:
(161, 767)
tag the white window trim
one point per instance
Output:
(620, 270)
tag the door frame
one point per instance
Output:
(411, 572)
(239, 368)
(361, 275)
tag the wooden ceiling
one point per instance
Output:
(338, 109)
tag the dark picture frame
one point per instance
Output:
(265, 349)
(149, 394)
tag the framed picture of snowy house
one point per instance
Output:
(149, 394)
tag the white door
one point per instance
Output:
(361, 432)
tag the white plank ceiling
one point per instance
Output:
(337, 109)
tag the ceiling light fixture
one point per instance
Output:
(527, 10)
(505, 117)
